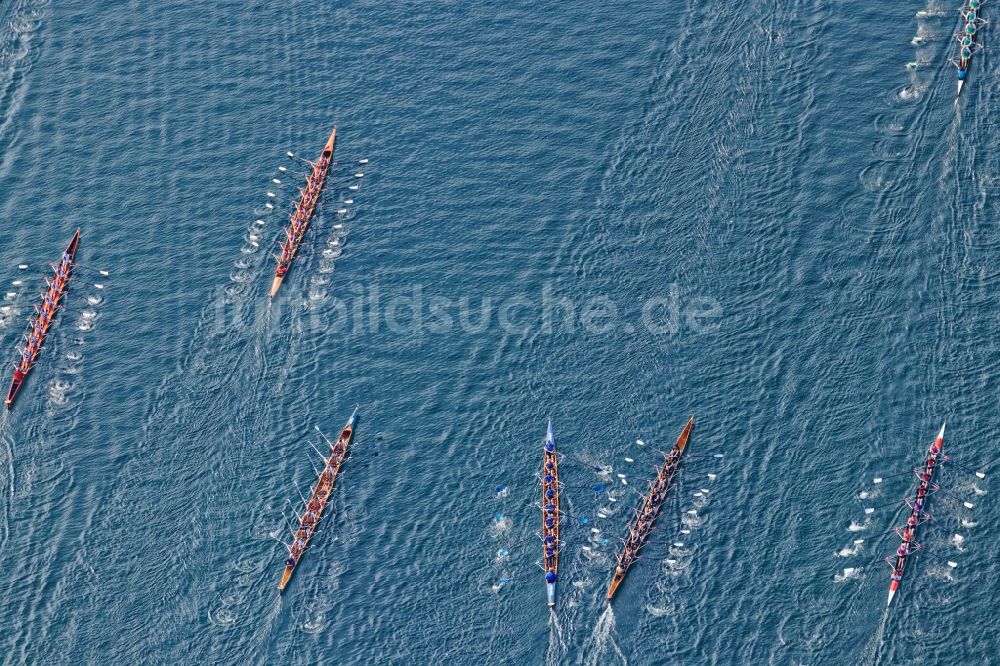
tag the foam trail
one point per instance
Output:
(600, 640)
(877, 642)
(557, 643)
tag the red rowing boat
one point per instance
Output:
(304, 209)
(45, 315)
(917, 515)
(317, 501)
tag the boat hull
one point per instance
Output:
(17, 382)
(307, 210)
(550, 533)
(664, 480)
(899, 568)
(285, 577)
(321, 494)
(275, 286)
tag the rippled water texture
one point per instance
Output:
(793, 232)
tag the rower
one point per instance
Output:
(550, 494)
(549, 522)
(903, 550)
(549, 552)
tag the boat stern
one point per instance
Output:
(615, 582)
(892, 592)
(275, 285)
(550, 590)
(285, 577)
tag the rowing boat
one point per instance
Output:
(652, 503)
(967, 38)
(45, 315)
(917, 515)
(313, 510)
(303, 213)
(550, 515)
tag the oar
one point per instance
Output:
(878, 479)
(325, 438)
(318, 452)
(871, 509)
(939, 489)
(102, 273)
(922, 551)
(980, 475)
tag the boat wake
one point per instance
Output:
(596, 649)
(853, 549)
(859, 527)
(19, 23)
(7, 477)
(877, 642)
(557, 642)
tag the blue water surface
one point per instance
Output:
(740, 211)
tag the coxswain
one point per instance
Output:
(19, 375)
(897, 575)
(290, 562)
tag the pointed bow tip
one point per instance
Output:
(941, 434)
